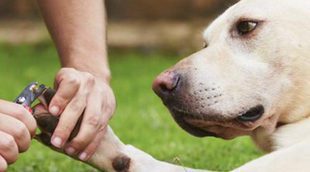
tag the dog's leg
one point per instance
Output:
(291, 143)
(112, 155)
(293, 158)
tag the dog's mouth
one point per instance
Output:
(182, 118)
(202, 125)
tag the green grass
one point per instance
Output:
(140, 119)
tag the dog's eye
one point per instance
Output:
(205, 45)
(252, 115)
(246, 27)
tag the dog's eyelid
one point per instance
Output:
(254, 20)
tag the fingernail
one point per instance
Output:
(70, 150)
(54, 110)
(57, 142)
(83, 156)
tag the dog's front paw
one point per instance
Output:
(47, 123)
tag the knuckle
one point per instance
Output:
(23, 115)
(21, 112)
(68, 74)
(109, 111)
(8, 142)
(93, 120)
(20, 132)
(25, 147)
(77, 104)
(74, 81)
(102, 127)
(12, 159)
(90, 78)
(61, 73)
(79, 143)
(33, 126)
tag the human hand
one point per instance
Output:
(17, 127)
(79, 92)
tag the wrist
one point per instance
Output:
(90, 58)
(104, 77)
(97, 67)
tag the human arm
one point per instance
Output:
(78, 30)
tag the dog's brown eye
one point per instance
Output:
(245, 27)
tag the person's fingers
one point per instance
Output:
(68, 120)
(19, 112)
(3, 164)
(17, 129)
(8, 147)
(90, 124)
(73, 110)
(68, 83)
(92, 147)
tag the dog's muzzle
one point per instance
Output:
(167, 86)
(173, 88)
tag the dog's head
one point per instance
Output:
(253, 71)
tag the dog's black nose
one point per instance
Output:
(166, 83)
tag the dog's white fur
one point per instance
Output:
(273, 63)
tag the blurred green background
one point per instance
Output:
(137, 54)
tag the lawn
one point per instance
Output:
(140, 119)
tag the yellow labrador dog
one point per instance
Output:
(252, 78)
